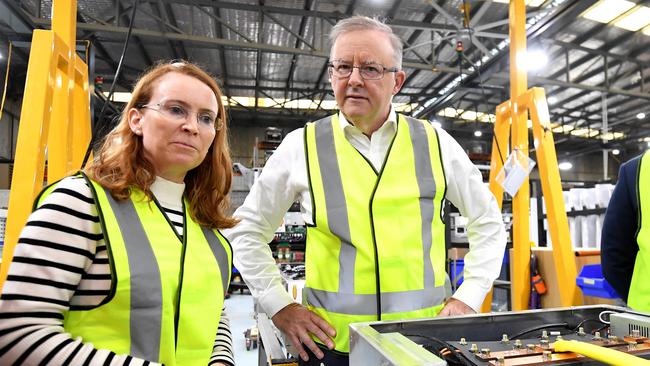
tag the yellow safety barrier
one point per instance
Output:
(513, 115)
(55, 115)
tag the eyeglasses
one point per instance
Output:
(371, 71)
(176, 111)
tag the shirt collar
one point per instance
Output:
(391, 122)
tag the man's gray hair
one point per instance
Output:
(360, 22)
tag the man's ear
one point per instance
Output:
(400, 77)
(135, 121)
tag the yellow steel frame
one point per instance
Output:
(55, 115)
(512, 115)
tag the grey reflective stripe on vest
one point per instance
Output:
(146, 288)
(337, 210)
(427, 186)
(220, 254)
(366, 304)
(346, 301)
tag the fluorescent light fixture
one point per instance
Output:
(468, 115)
(534, 3)
(563, 129)
(533, 60)
(640, 115)
(634, 19)
(565, 165)
(478, 133)
(119, 97)
(605, 11)
(616, 152)
(277, 103)
(580, 132)
(646, 30)
(612, 136)
(551, 100)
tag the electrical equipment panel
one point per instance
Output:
(505, 339)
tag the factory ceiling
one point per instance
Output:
(271, 58)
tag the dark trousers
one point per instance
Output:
(331, 358)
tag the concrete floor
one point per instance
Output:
(240, 311)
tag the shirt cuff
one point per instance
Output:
(274, 301)
(472, 294)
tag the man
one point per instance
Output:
(626, 234)
(370, 185)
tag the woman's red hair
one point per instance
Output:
(120, 163)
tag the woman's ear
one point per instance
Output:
(135, 121)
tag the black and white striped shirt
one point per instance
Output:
(61, 263)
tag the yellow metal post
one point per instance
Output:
(514, 113)
(565, 265)
(500, 148)
(59, 151)
(499, 153)
(519, 117)
(55, 114)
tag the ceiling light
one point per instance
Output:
(534, 3)
(640, 115)
(605, 11)
(616, 152)
(536, 59)
(468, 115)
(565, 165)
(634, 19)
(646, 30)
(527, 2)
(552, 100)
(478, 133)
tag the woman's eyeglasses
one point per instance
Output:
(179, 112)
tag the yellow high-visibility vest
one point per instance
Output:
(639, 295)
(166, 295)
(376, 250)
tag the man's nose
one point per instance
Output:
(355, 78)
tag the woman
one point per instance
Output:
(123, 263)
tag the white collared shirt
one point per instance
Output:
(284, 180)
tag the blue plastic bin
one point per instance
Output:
(592, 283)
(456, 268)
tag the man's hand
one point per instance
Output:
(455, 307)
(297, 322)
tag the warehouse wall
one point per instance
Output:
(242, 141)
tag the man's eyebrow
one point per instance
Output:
(366, 62)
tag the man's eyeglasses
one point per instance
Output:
(371, 71)
(178, 112)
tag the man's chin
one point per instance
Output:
(354, 114)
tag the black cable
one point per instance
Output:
(601, 328)
(584, 321)
(540, 327)
(480, 78)
(453, 356)
(98, 128)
